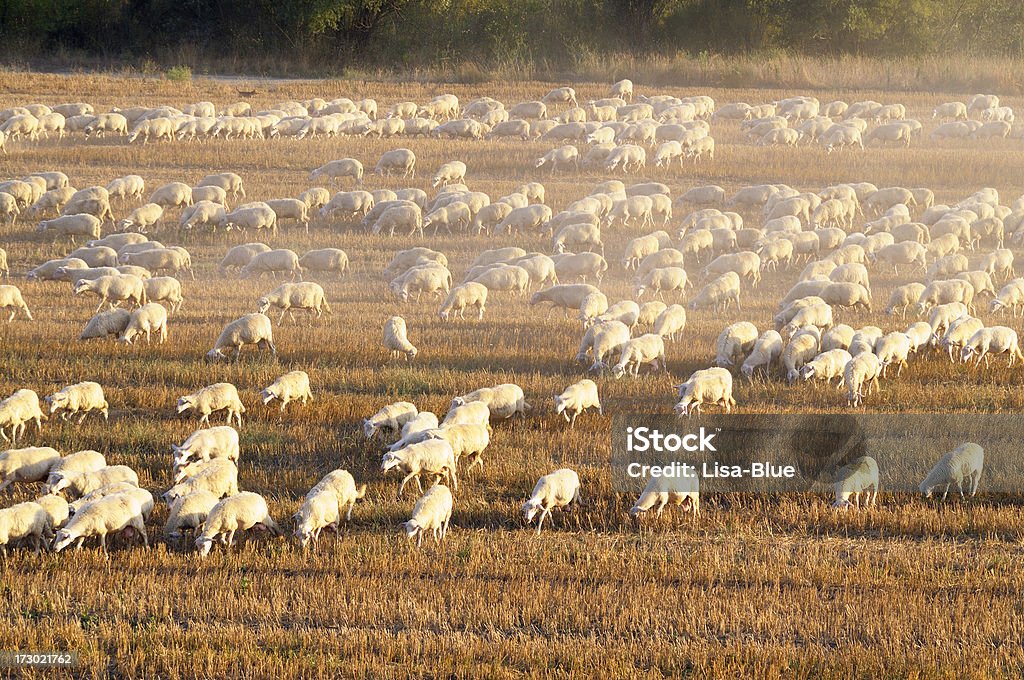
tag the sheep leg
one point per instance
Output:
(540, 522)
(405, 480)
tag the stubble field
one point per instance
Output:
(759, 586)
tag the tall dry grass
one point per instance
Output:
(762, 586)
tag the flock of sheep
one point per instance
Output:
(723, 243)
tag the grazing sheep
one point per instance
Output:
(72, 226)
(80, 461)
(325, 260)
(429, 278)
(452, 172)
(392, 418)
(719, 293)
(473, 413)
(219, 476)
(816, 315)
(470, 294)
(503, 401)
(556, 490)
(466, 439)
(826, 366)
(79, 484)
(434, 457)
(576, 399)
(239, 256)
(104, 516)
(860, 374)
(767, 351)
(670, 323)
(16, 411)
(146, 319)
(396, 339)
(397, 160)
(432, 512)
(903, 297)
(142, 218)
(28, 465)
(57, 510)
(105, 324)
(78, 399)
(1010, 296)
(273, 262)
(945, 292)
(288, 296)
(11, 301)
(962, 464)
(661, 280)
(251, 329)
(989, 341)
(240, 512)
(164, 289)
(189, 513)
(602, 340)
(958, 334)
(292, 386)
(215, 397)
(345, 167)
(803, 346)
(662, 491)
(893, 348)
(170, 260)
(646, 349)
(734, 343)
(707, 386)
(860, 475)
(567, 296)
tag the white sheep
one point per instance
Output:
(11, 299)
(556, 490)
(826, 366)
(662, 491)
(240, 512)
(26, 465)
(1010, 296)
(707, 386)
(859, 476)
(215, 397)
(79, 484)
(148, 318)
(105, 324)
(669, 323)
(24, 521)
(719, 293)
(989, 341)
(734, 343)
(415, 430)
(219, 476)
(577, 398)
(345, 167)
(860, 374)
(289, 296)
(57, 510)
(767, 351)
(646, 349)
(251, 329)
(189, 513)
(962, 464)
(80, 461)
(433, 457)
(903, 297)
(391, 418)
(432, 512)
(325, 260)
(473, 413)
(466, 439)
(452, 172)
(164, 289)
(273, 262)
(292, 386)
(893, 348)
(206, 444)
(503, 401)
(17, 410)
(78, 399)
(396, 339)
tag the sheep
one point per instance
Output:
(920, 334)
(189, 512)
(646, 349)
(452, 172)
(290, 209)
(767, 351)
(998, 263)
(351, 204)
(431, 278)
(568, 296)
(662, 491)
(219, 476)
(24, 521)
(345, 167)
(661, 280)
(289, 296)
(396, 339)
(253, 216)
(962, 464)
(341, 487)
(1010, 296)
(466, 439)
(433, 457)
(503, 401)
(893, 348)
(207, 444)
(105, 324)
(944, 292)
(215, 397)
(577, 398)
(114, 289)
(629, 157)
(555, 490)
(432, 512)
(719, 293)
(11, 301)
(989, 341)
(57, 510)
(783, 318)
(470, 294)
(240, 512)
(707, 386)
(803, 346)
(80, 461)
(816, 315)
(841, 294)
(530, 217)
(858, 476)
(27, 465)
(170, 260)
(734, 343)
(164, 289)
(204, 212)
(827, 365)
(142, 218)
(902, 297)
(214, 195)
(575, 235)
(860, 373)
(602, 340)
(950, 110)
(747, 265)
(669, 323)
(392, 417)
(79, 484)
(78, 399)
(251, 329)
(580, 265)
(96, 256)
(17, 410)
(941, 316)
(292, 386)
(566, 155)
(72, 226)
(958, 334)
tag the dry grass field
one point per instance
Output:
(772, 587)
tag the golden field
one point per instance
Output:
(758, 587)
